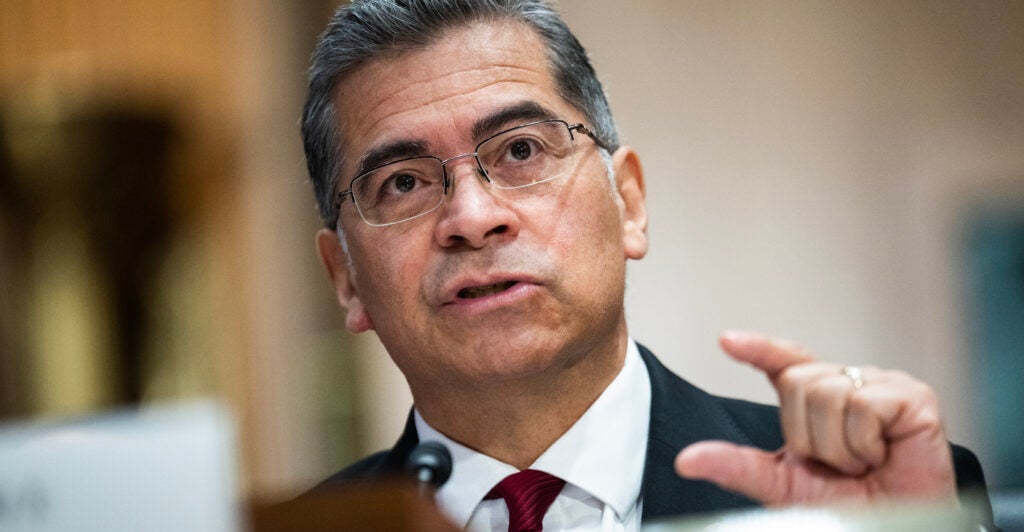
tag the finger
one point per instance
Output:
(905, 406)
(901, 405)
(769, 355)
(791, 386)
(826, 421)
(863, 428)
(751, 472)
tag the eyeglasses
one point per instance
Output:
(520, 157)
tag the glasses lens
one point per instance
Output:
(399, 191)
(527, 155)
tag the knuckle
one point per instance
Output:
(822, 392)
(929, 417)
(929, 396)
(815, 395)
(800, 372)
(859, 402)
(788, 378)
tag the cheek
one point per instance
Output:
(585, 232)
(387, 275)
(591, 214)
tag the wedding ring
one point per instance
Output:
(856, 376)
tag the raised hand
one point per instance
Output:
(865, 435)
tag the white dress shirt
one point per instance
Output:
(601, 458)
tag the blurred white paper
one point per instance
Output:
(889, 517)
(158, 469)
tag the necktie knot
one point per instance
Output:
(528, 495)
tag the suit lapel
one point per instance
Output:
(682, 414)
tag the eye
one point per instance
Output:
(520, 150)
(401, 184)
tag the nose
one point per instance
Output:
(472, 215)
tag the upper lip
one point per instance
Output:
(450, 293)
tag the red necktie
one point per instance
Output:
(528, 495)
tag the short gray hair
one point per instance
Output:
(365, 30)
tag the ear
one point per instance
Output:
(335, 260)
(629, 179)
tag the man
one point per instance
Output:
(479, 212)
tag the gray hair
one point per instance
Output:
(370, 29)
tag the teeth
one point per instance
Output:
(481, 291)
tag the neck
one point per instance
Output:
(515, 421)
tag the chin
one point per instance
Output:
(510, 359)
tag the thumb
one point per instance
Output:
(751, 472)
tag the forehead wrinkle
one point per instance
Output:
(497, 73)
(456, 90)
(469, 134)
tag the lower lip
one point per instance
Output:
(513, 295)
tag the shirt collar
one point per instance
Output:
(603, 453)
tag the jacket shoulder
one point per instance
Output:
(378, 466)
(373, 467)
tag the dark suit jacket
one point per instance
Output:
(681, 414)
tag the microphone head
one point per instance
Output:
(430, 463)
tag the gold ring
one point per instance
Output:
(856, 376)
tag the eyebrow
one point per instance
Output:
(525, 111)
(393, 151)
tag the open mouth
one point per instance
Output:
(481, 291)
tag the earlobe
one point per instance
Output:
(335, 261)
(629, 178)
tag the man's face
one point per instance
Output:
(495, 284)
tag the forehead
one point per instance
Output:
(435, 94)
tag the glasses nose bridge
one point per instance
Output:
(449, 177)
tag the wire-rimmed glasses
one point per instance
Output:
(519, 157)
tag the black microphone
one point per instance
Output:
(430, 464)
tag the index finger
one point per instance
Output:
(770, 355)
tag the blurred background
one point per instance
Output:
(849, 174)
